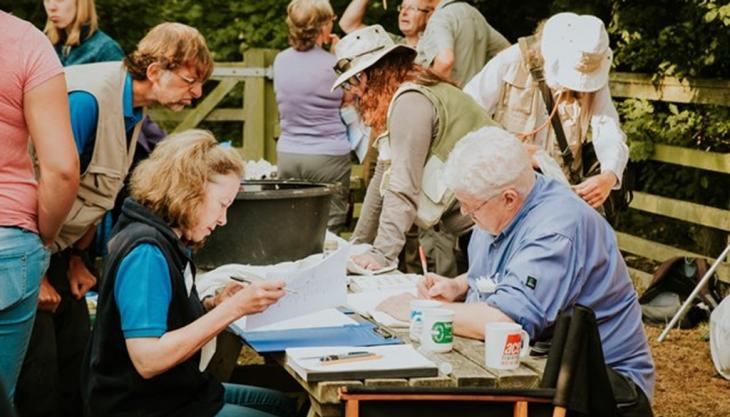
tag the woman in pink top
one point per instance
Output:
(33, 102)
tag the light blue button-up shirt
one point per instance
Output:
(557, 252)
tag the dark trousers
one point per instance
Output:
(630, 399)
(49, 383)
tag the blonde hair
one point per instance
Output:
(171, 45)
(172, 181)
(71, 35)
(305, 19)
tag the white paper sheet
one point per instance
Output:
(315, 285)
(330, 317)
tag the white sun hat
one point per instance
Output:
(576, 52)
(361, 49)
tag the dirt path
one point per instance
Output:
(687, 383)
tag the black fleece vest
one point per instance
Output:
(111, 385)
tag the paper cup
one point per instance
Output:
(437, 331)
(417, 307)
(504, 345)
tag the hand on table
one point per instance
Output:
(397, 306)
(370, 261)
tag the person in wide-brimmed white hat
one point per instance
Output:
(576, 58)
(418, 117)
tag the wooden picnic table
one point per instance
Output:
(466, 359)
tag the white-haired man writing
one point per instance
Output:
(540, 249)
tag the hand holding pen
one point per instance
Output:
(257, 296)
(251, 279)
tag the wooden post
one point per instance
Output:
(271, 111)
(259, 103)
(254, 127)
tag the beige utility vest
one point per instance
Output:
(111, 157)
(521, 109)
(458, 114)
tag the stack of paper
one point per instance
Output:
(404, 282)
(393, 361)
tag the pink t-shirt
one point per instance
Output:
(27, 60)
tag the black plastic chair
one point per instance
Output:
(575, 383)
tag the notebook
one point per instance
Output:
(393, 361)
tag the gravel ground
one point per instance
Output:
(687, 383)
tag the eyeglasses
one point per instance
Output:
(188, 80)
(344, 64)
(401, 8)
(474, 211)
(353, 81)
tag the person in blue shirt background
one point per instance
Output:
(106, 102)
(73, 29)
(544, 250)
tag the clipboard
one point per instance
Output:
(362, 334)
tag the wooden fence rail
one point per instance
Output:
(259, 116)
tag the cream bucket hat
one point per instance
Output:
(576, 52)
(361, 49)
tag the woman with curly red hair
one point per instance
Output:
(419, 117)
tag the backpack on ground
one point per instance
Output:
(672, 283)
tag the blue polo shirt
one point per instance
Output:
(143, 292)
(557, 252)
(85, 116)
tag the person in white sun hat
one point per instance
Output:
(573, 54)
(418, 117)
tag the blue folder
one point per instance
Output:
(361, 334)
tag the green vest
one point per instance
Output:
(458, 114)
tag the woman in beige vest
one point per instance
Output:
(419, 118)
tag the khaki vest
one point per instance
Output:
(111, 157)
(458, 114)
(521, 109)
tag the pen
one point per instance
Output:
(345, 357)
(248, 281)
(422, 255)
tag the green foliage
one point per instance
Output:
(680, 38)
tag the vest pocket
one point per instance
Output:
(102, 186)
(516, 104)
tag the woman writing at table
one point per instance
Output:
(152, 335)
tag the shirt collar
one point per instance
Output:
(132, 115)
(529, 203)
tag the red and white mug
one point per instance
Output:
(504, 345)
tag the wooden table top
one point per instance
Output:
(466, 359)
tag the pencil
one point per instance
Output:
(248, 281)
(422, 255)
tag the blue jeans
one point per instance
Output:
(248, 401)
(23, 261)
